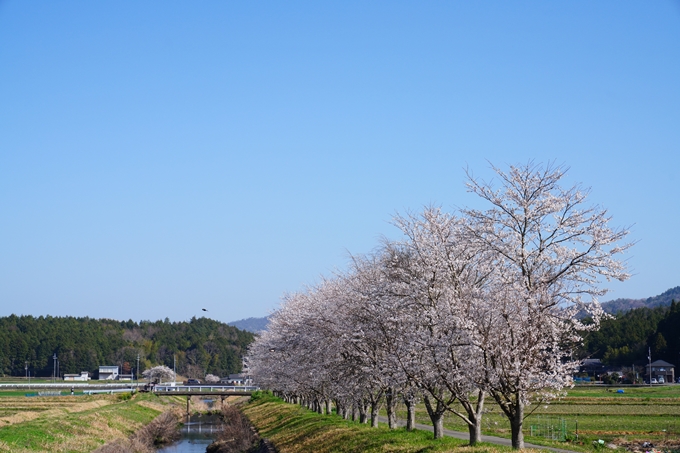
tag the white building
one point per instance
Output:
(108, 373)
(237, 379)
(83, 376)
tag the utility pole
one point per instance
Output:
(26, 368)
(54, 367)
(174, 373)
(138, 368)
(650, 366)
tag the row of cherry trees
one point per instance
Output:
(481, 303)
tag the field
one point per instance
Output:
(78, 423)
(640, 414)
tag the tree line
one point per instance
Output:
(627, 339)
(469, 305)
(198, 347)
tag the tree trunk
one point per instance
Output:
(391, 403)
(437, 416)
(410, 414)
(516, 426)
(375, 407)
(475, 431)
(329, 409)
(363, 412)
(475, 417)
(354, 411)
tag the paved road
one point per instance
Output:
(489, 439)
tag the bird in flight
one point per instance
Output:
(204, 309)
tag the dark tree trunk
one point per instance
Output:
(437, 416)
(363, 412)
(475, 431)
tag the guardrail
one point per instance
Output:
(109, 391)
(68, 385)
(204, 388)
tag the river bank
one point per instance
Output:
(74, 423)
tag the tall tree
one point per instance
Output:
(549, 252)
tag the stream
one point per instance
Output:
(197, 433)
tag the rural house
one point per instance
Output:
(108, 373)
(662, 369)
(83, 376)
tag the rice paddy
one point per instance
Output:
(590, 414)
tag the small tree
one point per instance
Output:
(159, 373)
(211, 379)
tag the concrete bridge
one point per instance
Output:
(205, 389)
(223, 391)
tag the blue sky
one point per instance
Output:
(161, 157)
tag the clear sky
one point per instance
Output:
(157, 158)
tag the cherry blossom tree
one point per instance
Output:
(159, 373)
(484, 302)
(549, 251)
(437, 271)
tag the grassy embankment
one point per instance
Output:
(294, 429)
(639, 414)
(73, 423)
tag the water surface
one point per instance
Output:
(197, 433)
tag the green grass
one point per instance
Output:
(639, 414)
(295, 429)
(74, 424)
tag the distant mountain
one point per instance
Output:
(254, 325)
(624, 305)
(615, 306)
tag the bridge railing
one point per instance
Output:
(70, 384)
(204, 388)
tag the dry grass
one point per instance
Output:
(64, 424)
(238, 434)
(25, 411)
(162, 430)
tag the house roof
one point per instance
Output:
(591, 362)
(661, 363)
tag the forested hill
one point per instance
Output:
(200, 346)
(623, 305)
(627, 338)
